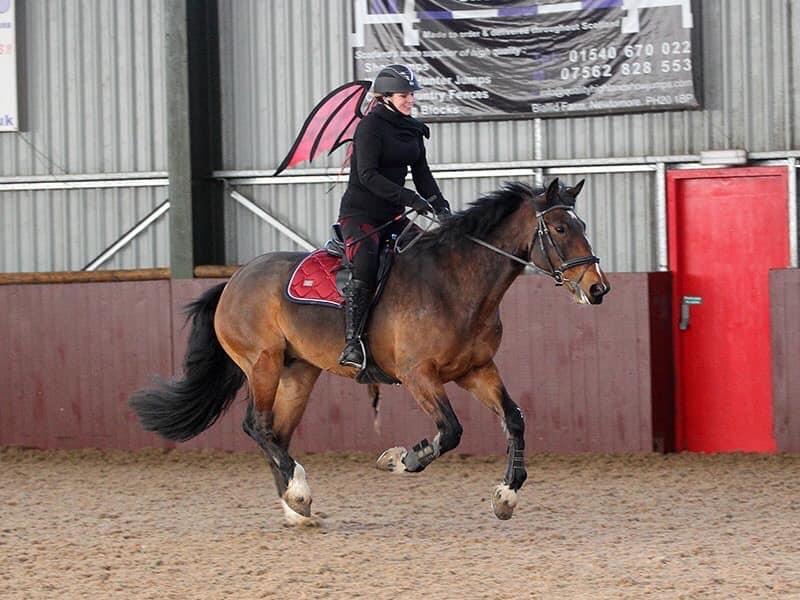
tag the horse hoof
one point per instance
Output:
(299, 504)
(298, 495)
(504, 501)
(295, 519)
(392, 460)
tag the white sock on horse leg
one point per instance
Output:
(298, 489)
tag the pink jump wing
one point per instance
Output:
(331, 124)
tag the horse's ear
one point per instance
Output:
(552, 192)
(574, 191)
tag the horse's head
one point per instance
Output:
(560, 247)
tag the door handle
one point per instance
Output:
(686, 303)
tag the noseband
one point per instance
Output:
(542, 234)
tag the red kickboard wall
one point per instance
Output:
(588, 378)
(784, 285)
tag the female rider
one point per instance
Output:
(387, 141)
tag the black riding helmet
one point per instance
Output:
(395, 79)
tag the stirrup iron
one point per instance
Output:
(343, 361)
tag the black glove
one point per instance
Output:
(420, 205)
(442, 208)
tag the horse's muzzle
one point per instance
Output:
(597, 291)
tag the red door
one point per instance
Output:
(727, 228)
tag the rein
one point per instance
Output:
(379, 228)
(555, 273)
(542, 233)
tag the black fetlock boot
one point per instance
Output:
(357, 296)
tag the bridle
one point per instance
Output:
(542, 234)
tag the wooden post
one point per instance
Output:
(193, 135)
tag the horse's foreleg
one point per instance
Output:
(487, 386)
(279, 395)
(430, 395)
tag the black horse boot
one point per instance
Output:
(357, 296)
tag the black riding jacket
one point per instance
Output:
(385, 145)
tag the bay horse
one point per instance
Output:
(438, 321)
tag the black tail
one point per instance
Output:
(182, 409)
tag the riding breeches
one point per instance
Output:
(363, 244)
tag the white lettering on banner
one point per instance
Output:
(560, 57)
(473, 80)
(443, 109)
(9, 120)
(410, 18)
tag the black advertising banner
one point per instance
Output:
(521, 59)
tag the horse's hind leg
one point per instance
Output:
(487, 386)
(264, 378)
(297, 381)
(279, 395)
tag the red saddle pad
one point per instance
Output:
(314, 280)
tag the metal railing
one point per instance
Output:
(533, 168)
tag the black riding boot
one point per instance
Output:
(357, 297)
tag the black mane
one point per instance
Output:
(482, 216)
(490, 210)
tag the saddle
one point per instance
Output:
(320, 279)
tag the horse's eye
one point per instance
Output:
(560, 229)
